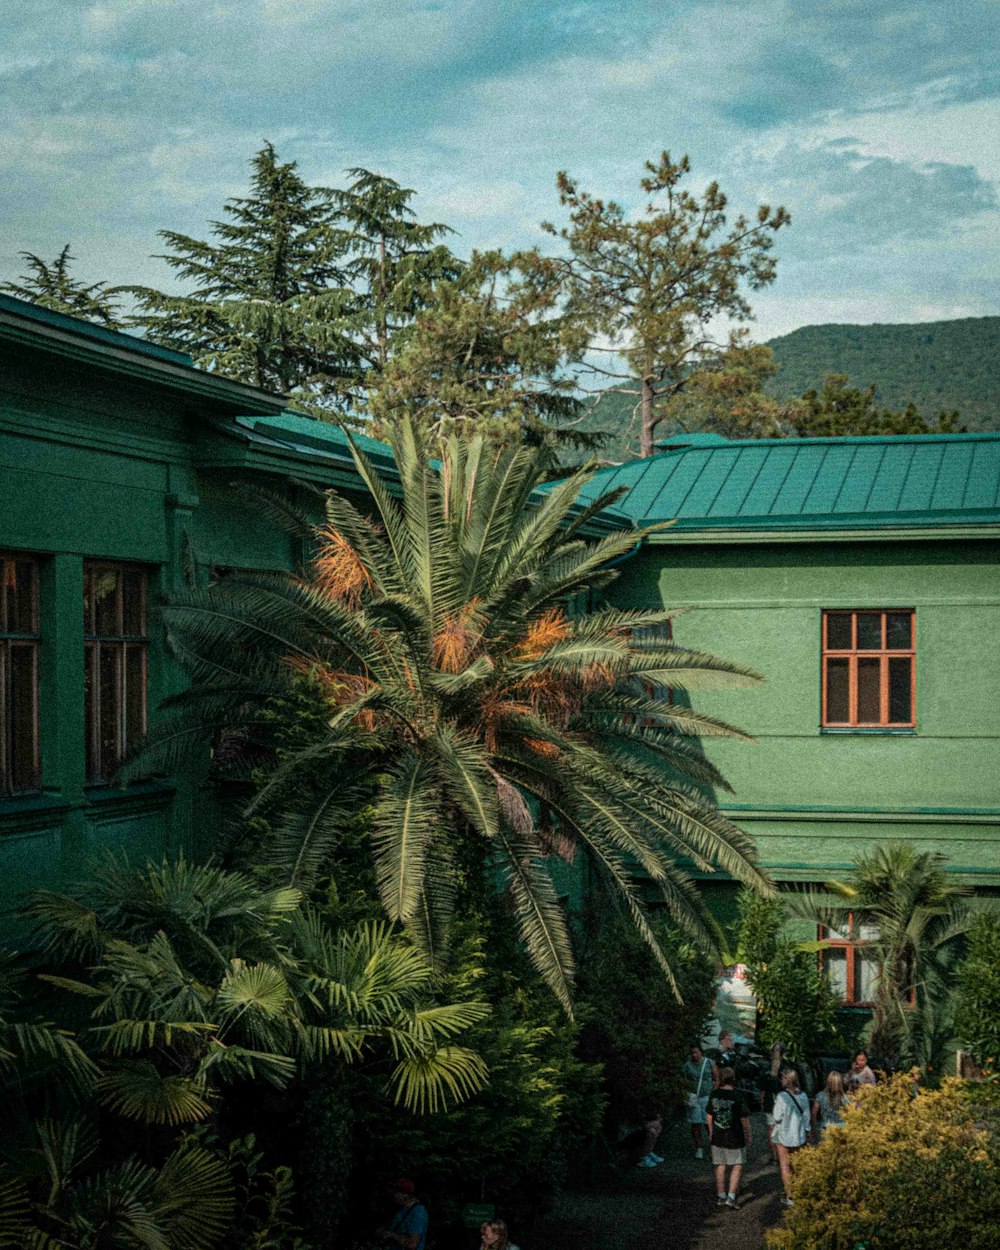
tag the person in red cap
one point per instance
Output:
(408, 1228)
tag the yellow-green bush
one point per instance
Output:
(901, 1173)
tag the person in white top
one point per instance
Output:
(495, 1236)
(791, 1127)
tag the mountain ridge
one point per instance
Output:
(936, 365)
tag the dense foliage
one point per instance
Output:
(795, 1003)
(904, 1172)
(906, 910)
(838, 409)
(465, 704)
(633, 1024)
(173, 999)
(977, 998)
(937, 366)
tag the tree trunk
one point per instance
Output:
(646, 416)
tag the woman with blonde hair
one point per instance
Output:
(791, 1127)
(495, 1236)
(829, 1105)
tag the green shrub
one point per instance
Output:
(795, 1002)
(977, 1001)
(635, 1025)
(904, 1172)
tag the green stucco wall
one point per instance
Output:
(815, 799)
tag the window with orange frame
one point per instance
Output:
(869, 669)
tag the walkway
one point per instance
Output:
(671, 1207)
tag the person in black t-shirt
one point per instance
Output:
(729, 1134)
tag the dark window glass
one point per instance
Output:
(898, 631)
(135, 694)
(133, 603)
(106, 619)
(114, 609)
(19, 644)
(869, 692)
(900, 690)
(838, 631)
(869, 631)
(837, 691)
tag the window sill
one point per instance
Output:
(141, 797)
(26, 812)
(867, 730)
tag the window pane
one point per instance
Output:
(900, 689)
(869, 631)
(23, 718)
(837, 702)
(869, 694)
(898, 630)
(838, 631)
(868, 931)
(134, 602)
(135, 695)
(866, 978)
(105, 590)
(109, 677)
(90, 709)
(19, 596)
(835, 963)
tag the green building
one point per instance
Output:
(859, 575)
(120, 465)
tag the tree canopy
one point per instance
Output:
(646, 291)
(53, 286)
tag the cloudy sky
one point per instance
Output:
(874, 122)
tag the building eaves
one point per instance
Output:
(73, 338)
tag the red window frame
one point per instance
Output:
(116, 664)
(852, 947)
(20, 641)
(882, 655)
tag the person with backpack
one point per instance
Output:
(408, 1228)
(790, 1130)
(728, 1119)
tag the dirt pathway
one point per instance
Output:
(671, 1207)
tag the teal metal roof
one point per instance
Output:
(708, 482)
(305, 433)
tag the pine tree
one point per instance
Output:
(270, 297)
(647, 291)
(54, 287)
(393, 262)
(486, 355)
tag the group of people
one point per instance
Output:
(716, 1106)
(407, 1230)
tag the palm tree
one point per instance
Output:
(910, 913)
(474, 693)
(198, 977)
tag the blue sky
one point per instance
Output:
(874, 122)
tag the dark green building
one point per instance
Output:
(119, 463)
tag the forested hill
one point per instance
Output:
(935, 365)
